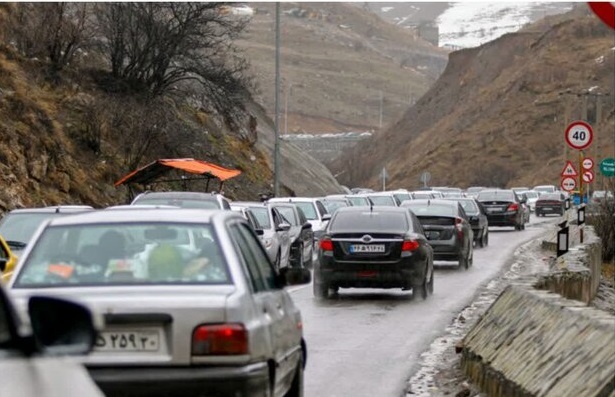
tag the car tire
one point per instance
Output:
(321, 289)
(430, 284)
(296, 388)
(486, 237)
(420, 290)
(463, 262)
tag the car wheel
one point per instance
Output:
(296, 388)
(463, 262)
(430, 284)
(486, 237)
(321, 289)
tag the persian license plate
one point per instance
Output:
(492, 210)
(127, 341)
(369, 248)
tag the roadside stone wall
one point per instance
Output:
(540, 338)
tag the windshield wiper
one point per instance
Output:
(16, 244)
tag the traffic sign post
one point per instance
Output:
(579, 135)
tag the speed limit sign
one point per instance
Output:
(579, 135)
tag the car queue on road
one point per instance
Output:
(191, 286)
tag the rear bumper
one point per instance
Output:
(247, 381)
(404, 273)
(502, 220)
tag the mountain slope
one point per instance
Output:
(495, 116)
(338, 58)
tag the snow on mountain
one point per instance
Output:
(469, 24)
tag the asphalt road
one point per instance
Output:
(367, 342)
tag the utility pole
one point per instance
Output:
(276, 146)
(381, 106)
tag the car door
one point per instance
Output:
(278, 311)
(284, 236)
(307, 235)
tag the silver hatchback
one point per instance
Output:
(192, 303)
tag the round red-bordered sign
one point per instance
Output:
(568, 184)
(588, 176)
(588, 163)
(579, 135)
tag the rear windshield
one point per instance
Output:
(496, 196)
(181, 203)
(334, 205)
(550, 196)
(18, 228)
(262, 217)
(469, 206)
(369, 221)
(531, 194)
(358, 201)
(288, 214)
(382, 200)
(309, 210)
(127, 254)
(422, 209)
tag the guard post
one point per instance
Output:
(562, 239)
(581, 221)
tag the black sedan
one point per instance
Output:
(447, 228)
(374, 247)
(504, 208)
(550, 203)
(478, 219)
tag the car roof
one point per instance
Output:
(375, 208)
(53, 209)
(180, 195)
(441, 201)
(171, 215)
(247, 204)
(293, 199)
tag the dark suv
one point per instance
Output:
(503, 207)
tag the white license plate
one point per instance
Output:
(366, 248)
(127, 341)
(492, 210)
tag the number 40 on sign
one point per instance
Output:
(579, 135)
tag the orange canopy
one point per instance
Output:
(154, 170)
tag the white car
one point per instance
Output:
(545, 189)
(532, 197)
(214, 321)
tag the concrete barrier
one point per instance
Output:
(539, 338)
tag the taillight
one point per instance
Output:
(459, 227)
(219, 340)
(409, 245)
(326, 245)
(513, 207)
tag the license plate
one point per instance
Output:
(547, 209)
(492, 210)
(127, 341)
(357, 248)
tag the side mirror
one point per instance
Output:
(306, 225)
(61, 327)
(3, 262)
(259, 232)
(283, 227)
(326, 217)
(295, 276)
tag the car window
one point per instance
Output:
(416, 224)
(369, 220)
(288, 214)
(469, 206)
(250, 268)
(422, 209)
(182, 203)
(127, 254)
(382, 200)
(262, 216)
(309, 210)
(259, 257)
(302, 218)
(20, 227)
(321, 209)
(358, 201)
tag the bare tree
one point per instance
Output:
(158, 47)
(54, 31)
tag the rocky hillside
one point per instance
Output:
(67, 140)
(497, 114)
(338, 57)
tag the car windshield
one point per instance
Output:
(288, 214)
(496, 196)
(19, 228)
(423, 209)
(309, 210)
(531, 195)
(402, 196)
(126, 254)
(420, 195)
(382, 200)
(369, 221)
(262, 217)
(178, 202)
